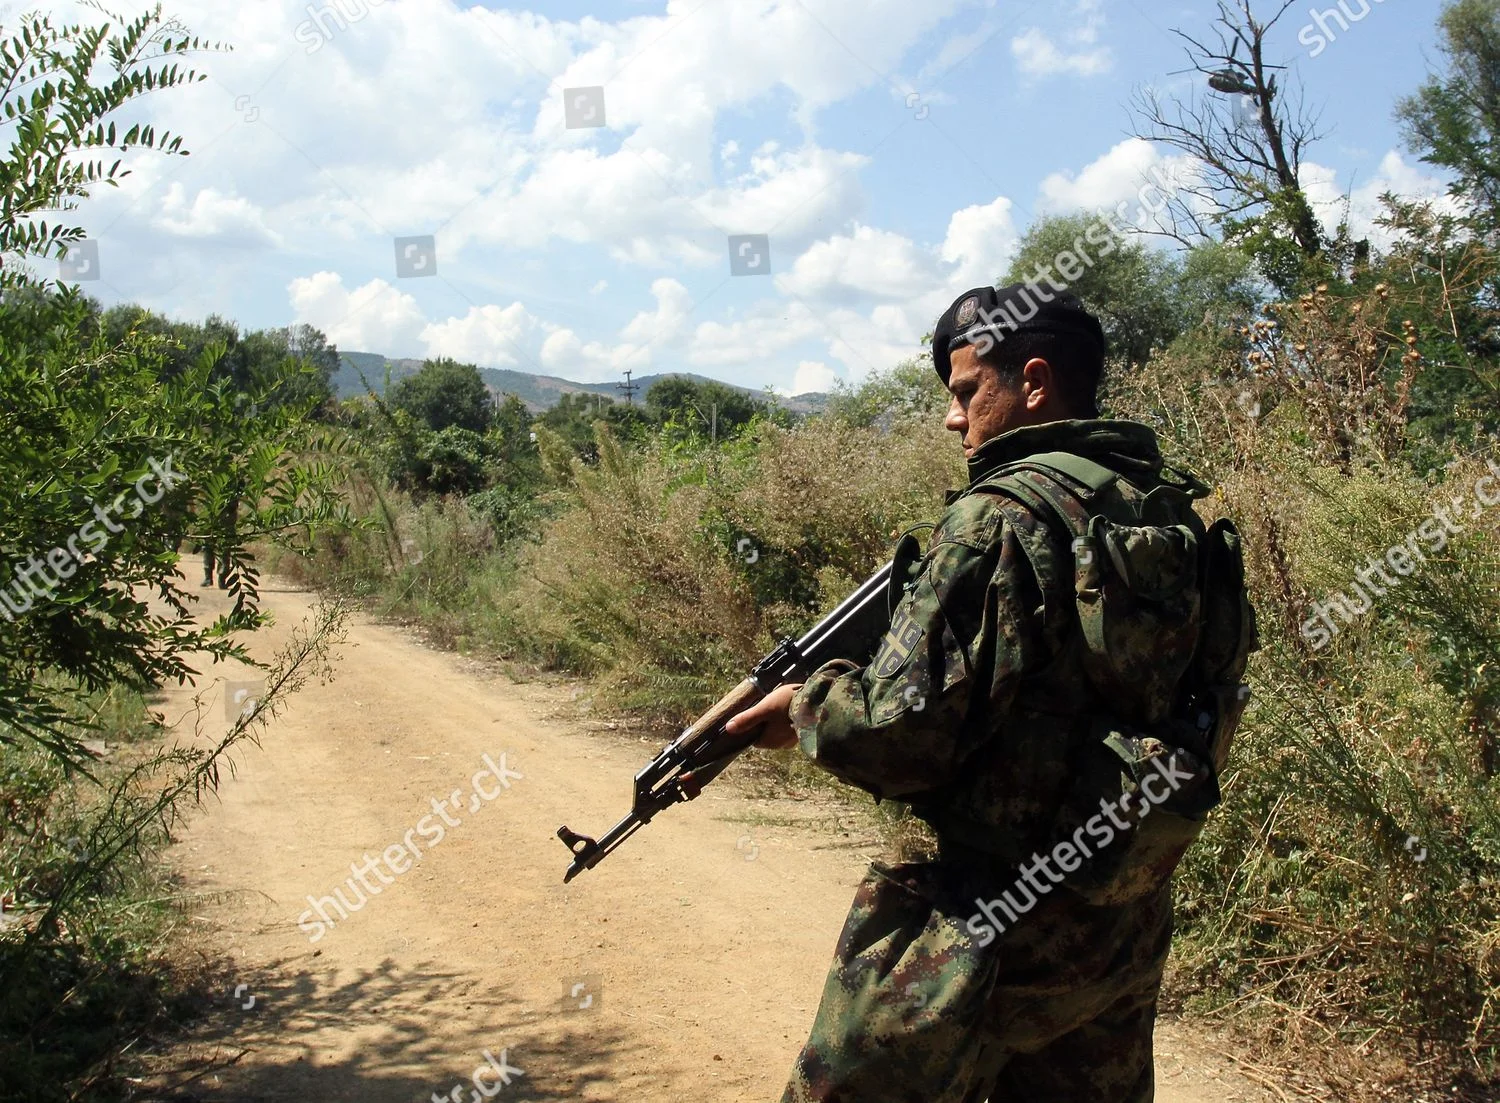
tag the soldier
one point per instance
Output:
(1065, 641)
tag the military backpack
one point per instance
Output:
(1166, 630)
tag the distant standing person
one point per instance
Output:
(219, 550)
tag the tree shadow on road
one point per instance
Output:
(394, 1033)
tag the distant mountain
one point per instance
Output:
(539, 392)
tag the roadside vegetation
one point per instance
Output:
(121, 445)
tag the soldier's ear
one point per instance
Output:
(1039, 384)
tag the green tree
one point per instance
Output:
(446, 393)
(572, 421)
(1448, 280)
(911, 389)
(1132, 289)
(118, 322)
(1216, 286)
(515, 446)
(311, 345)
(90, 419)
(297, 360)
(110, 458)
(1454, 119)
(61, 86)
(702, 407)
(455, 460)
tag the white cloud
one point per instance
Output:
(481, 159)
(789, 194)
(980, 242)
(812, 377)
(212, 215)
(912, 283)
(1107, 180)
(489, 335)
(644, 337)
(527, 211)
(1092, 14)
(889, 335)
(481, 156)
(372, 318)
(667, 322)
(669, 77)
(1040, 55)
(770, 328)
(649, 211)
(955, 49)
(565, 353)
(1135, 175)
(867, 262)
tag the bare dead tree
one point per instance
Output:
(1248, 133)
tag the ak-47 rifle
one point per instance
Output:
(704, 749)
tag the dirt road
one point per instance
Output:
(687, 967)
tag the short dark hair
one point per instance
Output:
(1077, 364)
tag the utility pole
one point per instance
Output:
(629, 388)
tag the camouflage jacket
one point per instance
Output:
(978, 701)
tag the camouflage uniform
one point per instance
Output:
(975, 711)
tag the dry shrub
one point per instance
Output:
(1349, 360)
(1345, 896)
(671, 573)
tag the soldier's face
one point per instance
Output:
(984, 405)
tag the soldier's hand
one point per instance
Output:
(772, 715)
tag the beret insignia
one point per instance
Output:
(968, 311)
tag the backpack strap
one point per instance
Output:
(1095, 476)
(1063, 492)
(1060, 493)
(1063, 473)
(904, 566)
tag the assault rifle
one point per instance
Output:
(704, 749)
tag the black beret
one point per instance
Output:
(985, 316)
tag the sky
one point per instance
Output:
(581, 187)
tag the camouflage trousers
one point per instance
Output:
(1059, 1008)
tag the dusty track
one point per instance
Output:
(704, 942)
